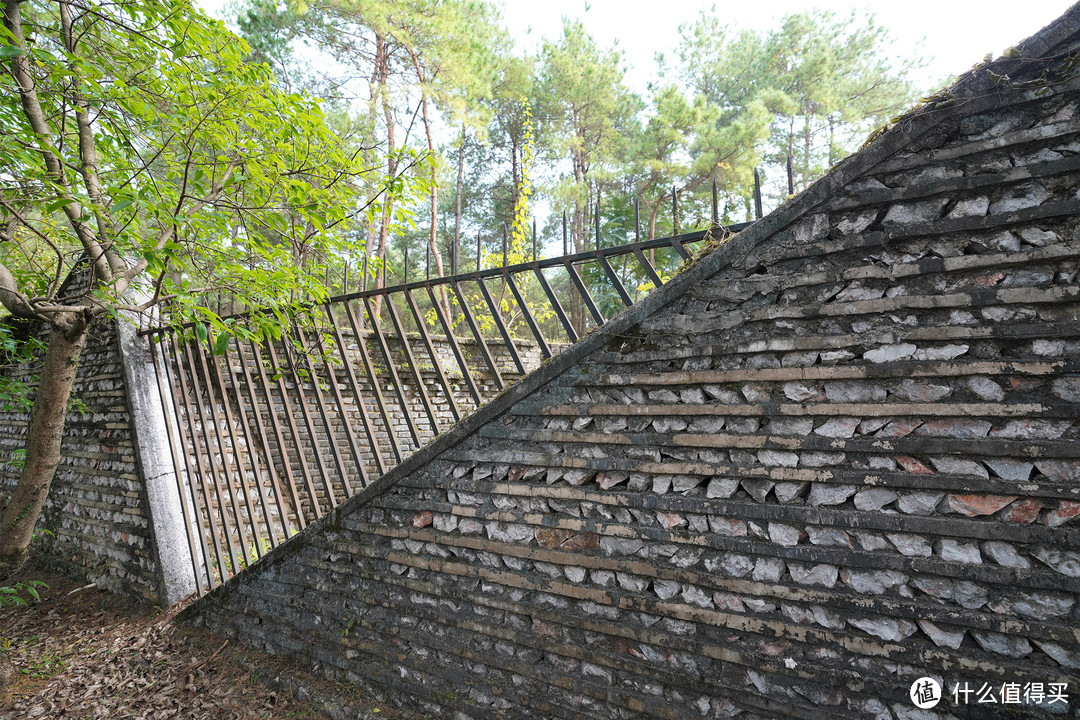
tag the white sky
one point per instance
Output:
(952, 34)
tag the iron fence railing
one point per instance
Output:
(267, 437)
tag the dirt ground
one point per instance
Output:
(83, 653)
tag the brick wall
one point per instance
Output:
(836, 455)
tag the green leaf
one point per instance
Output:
(122, 205)
(10, 51)
(222, 343)
(200, 332)
(57, 204)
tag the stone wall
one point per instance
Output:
(97, 507)
(835, 455)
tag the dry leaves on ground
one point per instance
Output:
(94, 655)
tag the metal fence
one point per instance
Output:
(270, 436)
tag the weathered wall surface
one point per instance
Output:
(97, 508)
(836, 455)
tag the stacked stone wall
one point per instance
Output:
(836, 456)
(96, 510)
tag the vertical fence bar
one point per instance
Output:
(478, 255)
(203, 477)
(637, 219)
(369, 368)
(583, 292)
(654, 278)
(565, 246)
(346, 424)
(210, 458)
(363, 276)
(320, 402)
(623, 295)
(556, 305)
(406, 281)
(395, 379)
(481, 344)
(757, 194)
(534, 239)
(715, 204)
(440, 375)
(503, 330)
(298, 507)
(274, 479)
(350, 372)
(237, 517)
(414, 367)
(284, 389)
(674, 210)
(459, 356)
(309, 421)
(529, 319)
(181, 470)
(790, 176)
(504, 245)
(231, 425)
(683, 252)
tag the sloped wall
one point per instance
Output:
(835, 456)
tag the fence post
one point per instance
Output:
(674, 210)
(637, 219)
(715, 205)
(596, 223)
(154, 457)
(757, 194)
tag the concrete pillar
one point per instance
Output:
(154, 458)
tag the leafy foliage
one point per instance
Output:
(210, 179)
(20, 592)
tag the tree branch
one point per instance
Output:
(20, 71)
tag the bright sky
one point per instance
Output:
(953, 34)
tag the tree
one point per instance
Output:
(419, 57)
(589, 112)
(137, 143)
(824, 80)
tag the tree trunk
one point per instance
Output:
(44, 435)
(383, 70)
(433, 245)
